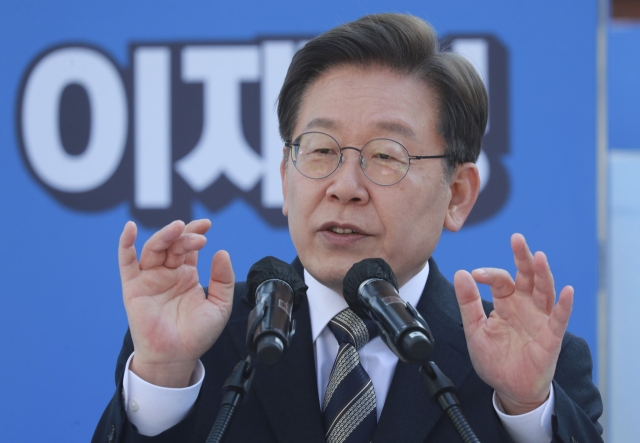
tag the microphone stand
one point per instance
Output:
(239, 382)
(416, 350)
(237, 385)
(442, 390)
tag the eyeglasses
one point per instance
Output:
(385, 162)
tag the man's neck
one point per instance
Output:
(325, 303)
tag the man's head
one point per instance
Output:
(380, 77)
(406, 45)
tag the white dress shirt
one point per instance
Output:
(153, 409)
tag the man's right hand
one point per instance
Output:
(172, 323)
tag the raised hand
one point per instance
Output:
(516, 349)
(172, 323)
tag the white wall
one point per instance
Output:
(624, 296)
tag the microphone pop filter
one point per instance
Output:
(270, 268)
(360, 272)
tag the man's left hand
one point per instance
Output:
(516, 349)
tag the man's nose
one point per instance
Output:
(348, 181)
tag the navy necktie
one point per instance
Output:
(349, 407)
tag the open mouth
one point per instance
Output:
(343, 231)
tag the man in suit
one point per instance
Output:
(381, 134)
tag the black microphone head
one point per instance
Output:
(360, 272)
(272, 268)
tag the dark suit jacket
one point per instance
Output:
(283, 404)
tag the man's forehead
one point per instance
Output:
(387, 126)
(321, 111)
(321, 123)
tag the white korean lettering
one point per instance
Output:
(152, 118)
(42, 143)
(222, 148)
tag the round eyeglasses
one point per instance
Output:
(385, 162)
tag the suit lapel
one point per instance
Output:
(288, 391)
(409, 415)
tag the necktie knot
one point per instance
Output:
(348, 327)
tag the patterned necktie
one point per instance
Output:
(349, 408)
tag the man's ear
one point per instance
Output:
(283, 176)
(464, 186)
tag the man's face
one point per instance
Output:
(344, 218)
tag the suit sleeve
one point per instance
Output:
(114, 426)
(219, 361)
(578, 404)
(114, 419)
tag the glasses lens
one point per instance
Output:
(316, 155)
(385, 162)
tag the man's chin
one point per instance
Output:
(330, 271)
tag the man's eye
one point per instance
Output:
(383, 156)
(322, 151)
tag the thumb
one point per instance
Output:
(127, 259)
(468, 295)
(222, 279)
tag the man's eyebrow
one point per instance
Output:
(321, 123)
(397, 128)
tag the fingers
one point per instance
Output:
(559, 319)
(544, 292)
(222, 279)
(185, 246)
(468, 296)
(534, 275)
(154, 251)
(524, 263)
(127, 259)
(533, 278)
(196, 227)
(501, 283)
(174, 244)
(185, 249)
(550, 337)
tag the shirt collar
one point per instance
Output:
(324, 303)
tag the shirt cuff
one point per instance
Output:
(532, 427)
(154, 409)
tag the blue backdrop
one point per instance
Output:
(62, 318)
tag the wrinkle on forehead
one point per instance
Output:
(396, 128)
(387, 126)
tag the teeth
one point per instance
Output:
(343, 231)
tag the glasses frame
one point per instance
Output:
(295, 143)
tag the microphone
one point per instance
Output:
(275, 289)
(371, 290)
